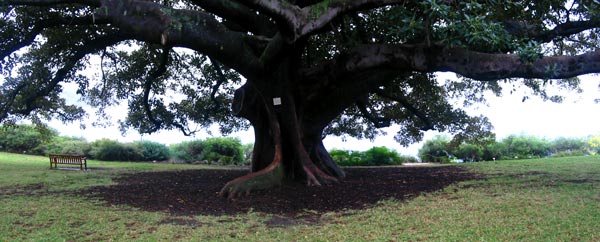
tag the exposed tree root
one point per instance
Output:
(266, 178)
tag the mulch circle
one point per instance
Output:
(195, 192)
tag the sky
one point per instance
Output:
(577, 116)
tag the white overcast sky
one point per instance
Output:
(577, 116)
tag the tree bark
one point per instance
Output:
(287, 148)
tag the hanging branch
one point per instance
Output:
(160, 70)
(404, 102)
(222, 79)
(379, 122)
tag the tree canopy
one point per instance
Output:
(298, 70)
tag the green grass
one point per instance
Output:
(528, 200)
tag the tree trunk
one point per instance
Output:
(286, 147)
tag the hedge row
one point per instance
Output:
(441, 149)
(376, 156)
(36, 140)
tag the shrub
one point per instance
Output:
(435, 150)
(23, 138)
(373, 157)
(152, 151)
(378, 156)
(69, 146)
(111, 150)
(248, 151)
(226, 151)
(188, 151)
(469, 152)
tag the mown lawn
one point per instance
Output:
(530, 200)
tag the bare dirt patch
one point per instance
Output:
(195, 192)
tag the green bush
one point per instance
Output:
(375, 156)
(110, 150)
(225, 151)
(436, 150)
(152, 151)
(347, 158)
(469, 152)
(69, 146)
(248, 150)
(188, 151)
(23, 138)
(378, 156)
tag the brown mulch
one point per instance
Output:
(194, 192)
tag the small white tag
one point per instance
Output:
(277, 101)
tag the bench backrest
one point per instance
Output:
(67, 159)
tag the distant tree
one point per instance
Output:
(436, 150)
(567, 146)
(23, 138)
(310, 68)
(469, 152)
(112, 150)
(594, 144)
(152, 151)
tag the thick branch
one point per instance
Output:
(561, 30)
(240, 15)
(404, 102)
(472, 64)
(379, 122)
(151, 22)
(296, 23)
(159, 71)
(335, 9)
(90, 46)
(27, 38)
(482, 66)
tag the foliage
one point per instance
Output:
(594, 144)
(346, 157)
(375, 156)
(69, 145)
(107, 150)
(225, 151)
(187, 151)
(152, 151)
(44, 48)
(436, 150)
(469, 152)
(511, 147)
(23, 138)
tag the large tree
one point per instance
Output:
(309, 67)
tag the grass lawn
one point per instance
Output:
(554, 199)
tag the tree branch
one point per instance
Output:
(160, 70)
(240, 15)
(562, 30)
(295, 22)
(222, 79)
(29, 104)
(404, 102)
(472, 64)
(151, 22)
(26, 39)
(379, 122)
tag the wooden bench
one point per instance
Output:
(69, 160)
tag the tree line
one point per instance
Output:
(36, 140)
(442, 149)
